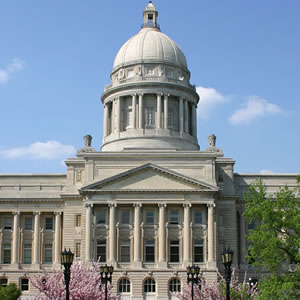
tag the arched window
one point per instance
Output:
(3, 281)
(149, 286)
(124, 286)
(175, 285)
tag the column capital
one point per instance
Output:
(167, 95)
(87, 205)
(16, 213)
(141, 94)
(110, 205)
(189, 205)
(164, 205)
(137, 205)
(211, 205)
(133, 94)
(36, 213)
(57, 213)
(159, 94)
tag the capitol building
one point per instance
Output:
(151, 202)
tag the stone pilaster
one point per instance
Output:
(166, 109)
(57, 238)
(158, 106)
(141, 115)
(137, 236)
(242, 239)
(186, 116)
(181, 116)
(194, 120)
(105, 121)
(112, 233)
(88, 231)
(118, 114)
(36, 239)
(162, 236)
(211, 263)
(187, 234)
(134, 111)
(16, 233)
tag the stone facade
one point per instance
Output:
(150, 202)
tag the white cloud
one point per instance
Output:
(254, 107)
(16, 65)
(266, 172)
(209, 100)
(40, 150)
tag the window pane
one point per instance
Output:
(49, 223)
(124, 286)
(101, 217)
(149, 286)
(198, 217)
(198, 252)
(101, 250)
(6, 254)
(174, 217)
(78, 221)
(3, 281)
(77, 250)
(125, 251)
(175, 285)
(27, 254)
(8, 223)
(24, 284)
(150, 251)
(28, 223)
(149, 217)
(124, 216)
(174, 251)
(48, 253)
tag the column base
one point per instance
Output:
(211, 265)
(137, 264)
(162, 264)
(15, 265)
(187, 263)
(36, 266)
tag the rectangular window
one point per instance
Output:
(8, 223)
(197, 217)
(6, 253)
(174, 217)
(28, 223)
(101, 217)
(27, 253)
(24, 284)
(125, 251)
(174, 251)
(124, 216)
(78, 220)
(129, 118)
(150, 251)
(198, 251)
(3, 282)
(48, 254)
(130, 73)
(49, 223)
(150, 117)
(101, 250)
(78, 250)
(251, 225)
(149, 217)
(170, 118)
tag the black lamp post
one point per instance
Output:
(67, 260)
(106, 276)
(193, 273)
(227, 256)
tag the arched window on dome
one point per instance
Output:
(124, 286)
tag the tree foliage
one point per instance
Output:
(275, 241)
(217, 290)
(9, 292)
(84, 284)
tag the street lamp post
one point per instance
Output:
(227, 256)
(193, 273)
(66, 261)
(106, 276)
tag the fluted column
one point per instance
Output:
(134, 111)
(112, 233)
(194, 120)
(36, 238)
(137, 235)
(57, 237)
(186, 234)
(210, 232)
(16, 231)
(105, 121)
(141, 115)
(118, 114)
(181, 118)
(88, 231)
(158, 105)
(186, 116)
(242, 239)
(162, 235)
(166, 108)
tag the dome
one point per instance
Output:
(150, 45)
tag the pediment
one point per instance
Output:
(149, 177)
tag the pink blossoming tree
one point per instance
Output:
(216, 291)
(84, 284)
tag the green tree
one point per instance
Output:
(10, 292)
(275, 241)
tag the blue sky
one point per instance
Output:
(56, 56)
